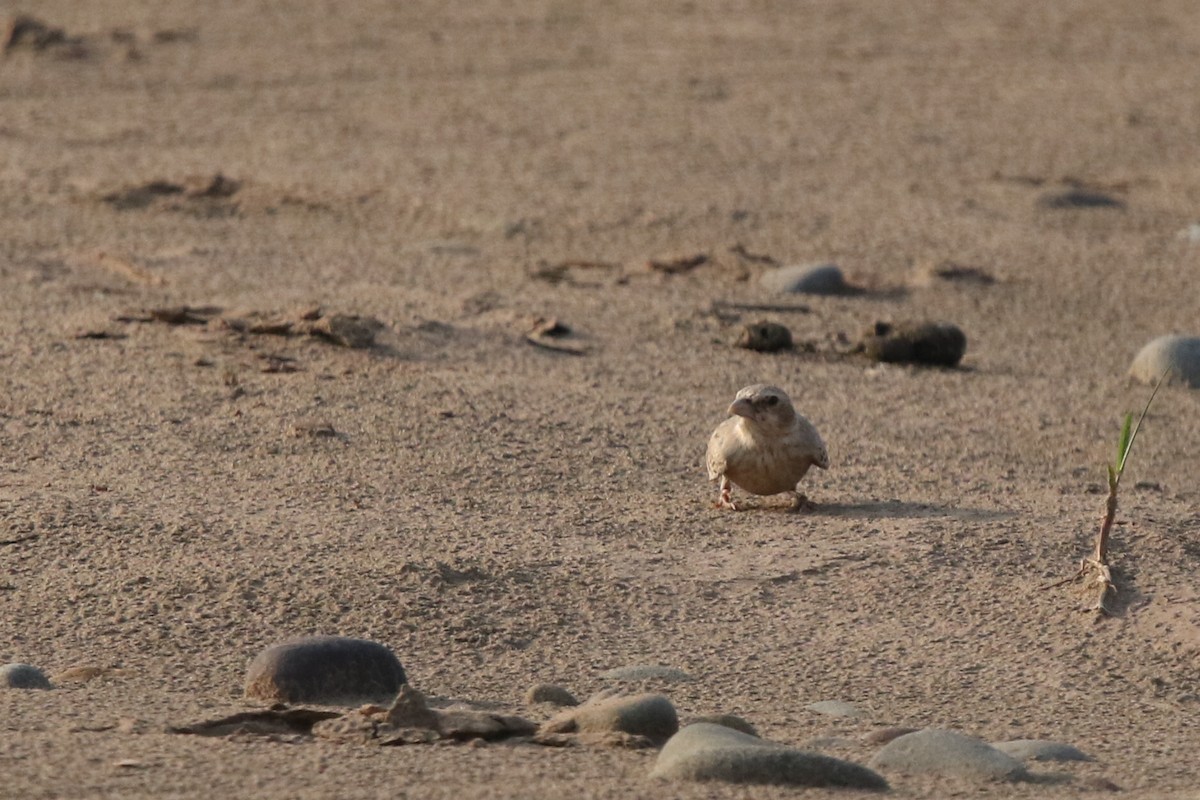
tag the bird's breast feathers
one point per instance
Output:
(761, 463)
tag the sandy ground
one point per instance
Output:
(502, 514)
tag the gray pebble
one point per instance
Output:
(706, 752)
(835, 708)
(824, 279)
(1041, 750)
(550, 693)
(327, 670)
(646, 672)
(1178, 357)
(946, 753)
(23, 676)
(649, 715)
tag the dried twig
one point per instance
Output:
(741, 252)
(676, 265)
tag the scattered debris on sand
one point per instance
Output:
(24, 32)
(932, 273)
(207, 196)
(548, 333)
(739, 250)
(677, 264)
(345, 330)
(212, 195)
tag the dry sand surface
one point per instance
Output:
(176, 497)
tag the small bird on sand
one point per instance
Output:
(765, 447)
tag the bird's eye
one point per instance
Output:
(772, 400)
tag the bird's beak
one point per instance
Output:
(741, 408)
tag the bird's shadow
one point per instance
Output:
(899, 509)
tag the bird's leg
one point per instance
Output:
(726, 500)
(800, 502)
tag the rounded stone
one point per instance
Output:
(23, 676)
(886, 734)
(649, 715)
(730, 721)
(935, 343)
(707, 752)
(1041, 750)
(550, 693)
(646, 672)
(327, 670)
(824, 279)
(835, 708)
(1175, 359)
(949, 754)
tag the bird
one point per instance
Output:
(765, 447)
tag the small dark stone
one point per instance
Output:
(23, 676)
(329, 670)
(935, 343)
(765, 337)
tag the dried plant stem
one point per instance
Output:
(1110, 513)
(1095, 571)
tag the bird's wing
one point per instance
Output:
(822, 459)
(813, 442)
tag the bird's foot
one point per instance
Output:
(726, 498)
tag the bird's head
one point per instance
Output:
(767, 406)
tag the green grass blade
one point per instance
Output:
(1128, 445)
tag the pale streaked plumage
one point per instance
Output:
(765, 447)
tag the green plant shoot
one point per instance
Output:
(1129, 432)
